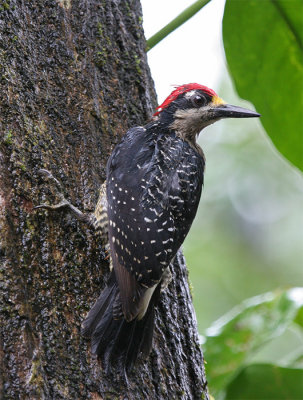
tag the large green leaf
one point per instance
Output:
(263, 41)
(234, 338)
(264, 381)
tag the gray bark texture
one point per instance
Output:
(74, 78)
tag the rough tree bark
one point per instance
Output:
(74, 77)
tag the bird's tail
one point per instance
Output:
(115, 341)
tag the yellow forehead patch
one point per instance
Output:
(217, 101)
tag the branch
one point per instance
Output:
(175, 23)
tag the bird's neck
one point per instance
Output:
(184, 128)
(188, 133)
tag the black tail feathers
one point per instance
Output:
(116, 342)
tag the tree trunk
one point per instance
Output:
(74, 78)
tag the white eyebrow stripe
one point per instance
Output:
(189, 94)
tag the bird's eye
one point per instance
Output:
(199, 100)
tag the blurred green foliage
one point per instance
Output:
(232, 340)
(248, 235)
(247, 238)
(265, 381)
(263, 42)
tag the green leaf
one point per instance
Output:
(299, 317)
(265, 381)
(263, 42)
(298, 362)
(231, 340)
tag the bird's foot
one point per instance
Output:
(63, 203)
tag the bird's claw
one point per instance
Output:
(63, 203)
(55, 207)
(48, 175)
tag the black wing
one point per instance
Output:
(153, 188)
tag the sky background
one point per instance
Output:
(184, 56)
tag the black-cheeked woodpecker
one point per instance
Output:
(154, 183)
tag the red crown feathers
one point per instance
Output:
(183, 89)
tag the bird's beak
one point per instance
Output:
(229, 111)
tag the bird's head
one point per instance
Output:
(192, 107)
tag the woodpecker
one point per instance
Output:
(153, 188)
